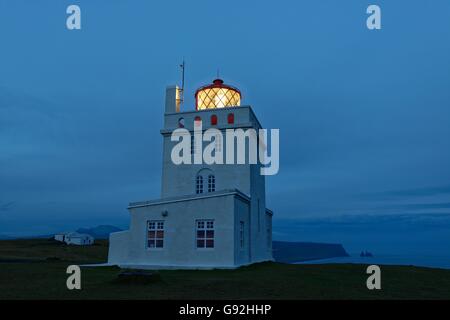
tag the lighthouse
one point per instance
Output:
(208, 215)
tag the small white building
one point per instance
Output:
(60, 237)
(208, 216)
(75, 238)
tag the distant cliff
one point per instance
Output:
(289, 252)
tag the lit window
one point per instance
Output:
(155, 234)
(231, 118)
(199, 184)
(213, 120)
(211, 183)
(205, 233)
(241, 234)
(217, 95)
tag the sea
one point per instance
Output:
(430, 261)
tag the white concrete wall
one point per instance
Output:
(269, 237)
(179, 180)
(79, 241)
(259, 222)
(76, 241)
(130, 247)
(180, 234)
(242, 213)
(173, 96)
(243, 116)
(118, 247)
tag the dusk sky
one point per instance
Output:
(364, 116)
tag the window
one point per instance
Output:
(213, 120)
(211, 183)
(205, 233)
(199, 184)
(241, 234)
(155, 234)
(192, 144)
(231, 118)
(205, 181)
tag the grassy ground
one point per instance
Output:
(36, 269)
(40, 250)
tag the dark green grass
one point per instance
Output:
(36, 250)
(47, 280)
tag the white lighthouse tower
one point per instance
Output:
(208, 216)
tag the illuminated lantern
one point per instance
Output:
(217, 95)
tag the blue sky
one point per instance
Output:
(364, 116)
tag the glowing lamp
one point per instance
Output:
(217, 95)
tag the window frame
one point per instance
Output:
(205, 225)
(199, 184)
(242, 235)
(211, 183)
(158, 226)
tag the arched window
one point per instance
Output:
(211, 183)
(205, 181)
(199, 184)
(213, 120)
(231, 118)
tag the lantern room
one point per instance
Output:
(217, 95)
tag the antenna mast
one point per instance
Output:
(182, 65)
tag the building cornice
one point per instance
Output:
(216, 110)
(215, 194)
(208, 110)
(246, 125)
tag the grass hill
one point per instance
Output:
(36, 269)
